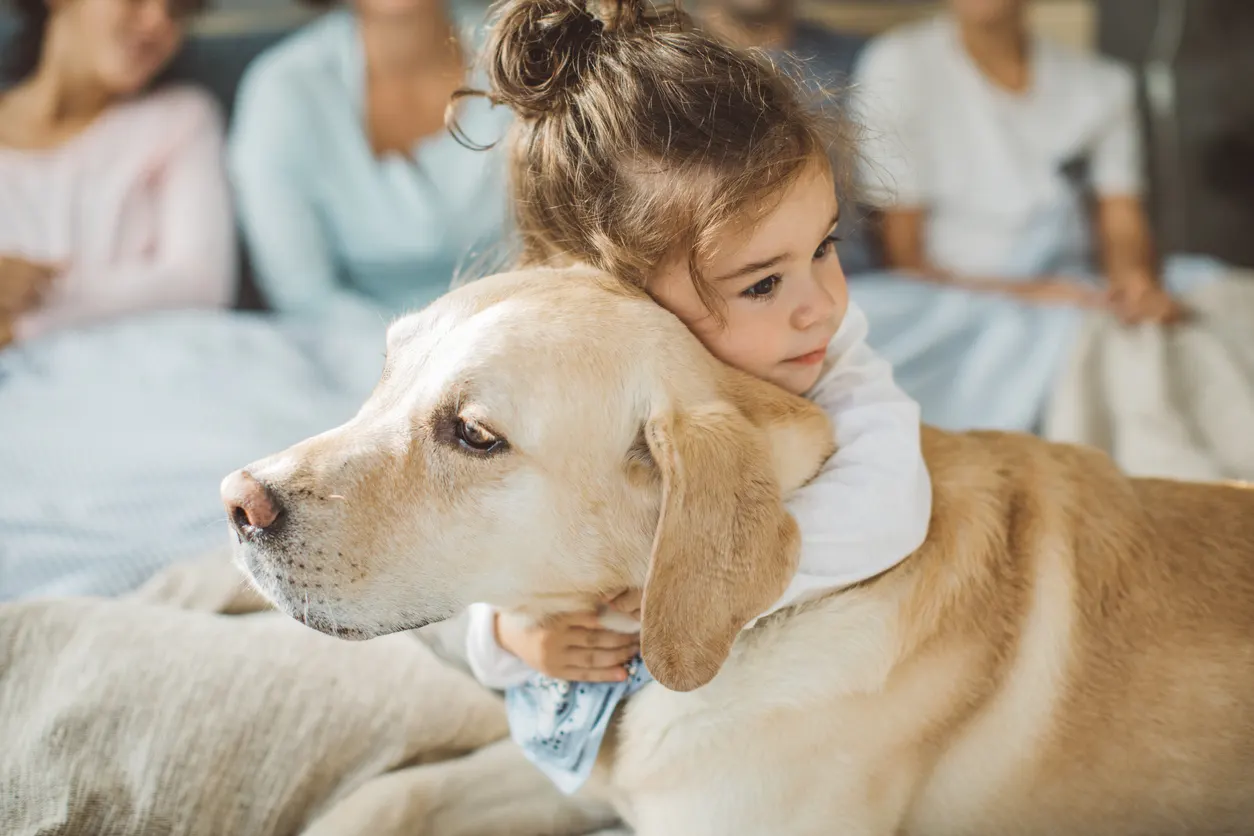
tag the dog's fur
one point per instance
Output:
(1071, 651)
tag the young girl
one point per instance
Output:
(696, 171)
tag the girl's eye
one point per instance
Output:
(762, 289)
(827, 247)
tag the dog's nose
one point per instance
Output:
(250, 505)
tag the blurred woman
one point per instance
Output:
(113, 196)
(353, 197)
(991, 145)
(1008, 172)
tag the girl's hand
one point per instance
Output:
(573, 647)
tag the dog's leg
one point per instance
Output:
(491, 792)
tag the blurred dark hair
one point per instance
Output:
(22, 52)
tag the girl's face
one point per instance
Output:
(781, 286)
(121, 44)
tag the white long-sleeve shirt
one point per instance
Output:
(866, 510)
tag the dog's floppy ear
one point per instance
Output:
(725, 548)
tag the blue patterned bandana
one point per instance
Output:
(560, 724)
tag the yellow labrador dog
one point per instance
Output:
(1071, 652)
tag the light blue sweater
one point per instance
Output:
(333, 230)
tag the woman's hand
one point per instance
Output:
(573, 647)
(22, 284)
(1137, 297)
(1059, 292)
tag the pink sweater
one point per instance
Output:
(136, 208)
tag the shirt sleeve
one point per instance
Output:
(1118, 153)
(871, 504)
(891, 163)
(492, 665)
(287, 241)
(194, 261)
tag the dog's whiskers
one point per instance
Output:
(304, 617)
(214, 523)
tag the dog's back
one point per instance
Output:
(1114, 635)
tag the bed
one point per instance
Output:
(113, 439)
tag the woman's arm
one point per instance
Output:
(904, 251)
(287, 240)
(1124, 236)
(1122, 230)
(870, 505)
(1123, 233)
(492, 665)
(194, 264)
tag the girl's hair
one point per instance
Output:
(641, 138)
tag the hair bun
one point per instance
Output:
(539, 50)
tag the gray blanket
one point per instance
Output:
(160, 714)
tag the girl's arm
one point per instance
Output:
(272, 176)
(492, 665)
(871, 504)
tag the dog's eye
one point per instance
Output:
(475, 438)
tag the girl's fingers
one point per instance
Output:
(603, 639)
(598, 659)
(584, 620)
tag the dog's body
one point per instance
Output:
(1071, 651)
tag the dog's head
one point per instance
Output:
(538, 440)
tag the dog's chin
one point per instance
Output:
(313, 611)
(351, 632)
(327, 619)
(338, 625)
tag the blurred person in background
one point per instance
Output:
(1008, 172)
(821, 58)
(113, 195)
(353, 197)
(825, 55)
(1008, 163)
